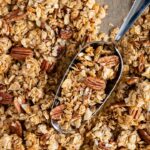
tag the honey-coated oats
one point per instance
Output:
(84, 87)
(38, 39)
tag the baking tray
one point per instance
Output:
(117, 10)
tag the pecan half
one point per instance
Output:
(21, 53)
(16, 128)
(57, 112)
(5, 98)
(66, 33)
(141, 63)
(132, 80)
(135, 112)
(46, 66)
(109, 61)
(144, 135)
(95, 83)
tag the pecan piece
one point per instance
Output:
(144, 135)
(95, 83)
(66, 33)
(135, 113)
(5, 98)
(57, 112)
(46, 66)
(141, 63)
(18, 17)
(21, 53)
(16, 128)
(109, 61)
(11, 14)
(132, 80)
(15, 16)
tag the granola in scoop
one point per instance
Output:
(52, 30)
(84, 88)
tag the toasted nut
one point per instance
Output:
(5, 98)
(18, 17)
(135, 112)
(16, 128)
(141, 63)
(109, 61)
(46, 66)
(132, 80)
(144, 135)
(21, 53)
(66, 33)
(15, 16)
(95, 83)
(57, 112)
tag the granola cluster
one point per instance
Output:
(38, 39)
(83, 90)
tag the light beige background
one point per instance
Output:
(117, 11)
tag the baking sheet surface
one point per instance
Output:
(117, 10)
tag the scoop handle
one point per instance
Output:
(136, 10)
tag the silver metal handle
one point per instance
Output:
(135, 11)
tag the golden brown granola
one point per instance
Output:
(53, 30)
(85, 86)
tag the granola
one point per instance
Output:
(85, 85)
(52, 31)
(127, 119)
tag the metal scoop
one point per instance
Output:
(136, 10)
